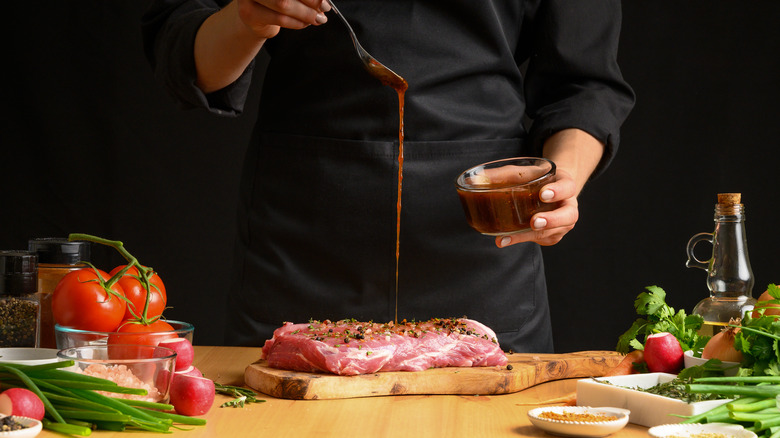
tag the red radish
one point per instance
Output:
(21, 402)
(191, 371)
(163, 380)
(184, 351)
(192, 395)
(663, 353)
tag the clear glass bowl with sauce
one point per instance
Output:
(500, 197)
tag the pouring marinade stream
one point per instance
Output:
(399, 87)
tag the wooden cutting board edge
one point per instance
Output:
(528, 369)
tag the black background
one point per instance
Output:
(93, 145)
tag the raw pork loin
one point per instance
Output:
(349, 347)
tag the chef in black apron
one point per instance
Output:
(317, 220)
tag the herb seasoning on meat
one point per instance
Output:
(350, 347)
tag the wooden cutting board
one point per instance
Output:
(527, 370)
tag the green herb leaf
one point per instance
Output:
(660, 317)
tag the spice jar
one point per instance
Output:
(19, 305)
(729, 275)
(56, 257)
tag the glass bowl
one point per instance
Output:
(500, 197)
(135, 366)
(67, 337)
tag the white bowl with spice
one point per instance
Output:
(584, 421)
(14, 426)
(721, 430)
(28, 355)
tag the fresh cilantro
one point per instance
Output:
(758, 339)
(657, 317)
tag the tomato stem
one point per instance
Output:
(145, 273)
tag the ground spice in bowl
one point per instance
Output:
(575, 416)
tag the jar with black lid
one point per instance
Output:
(19, 304)
(57, 256)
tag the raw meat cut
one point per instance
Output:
(349, 347)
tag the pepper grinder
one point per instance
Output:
(729, 275)
(20, 311)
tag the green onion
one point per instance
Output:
(757, 408)
(75, 403)
(756, 391)
(70, 429)
(182, 419)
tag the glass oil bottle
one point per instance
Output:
(729, 275)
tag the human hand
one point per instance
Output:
(548, 228)
(265, 18)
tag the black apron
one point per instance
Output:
(318, 214)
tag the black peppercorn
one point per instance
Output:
(19, 305)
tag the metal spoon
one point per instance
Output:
(374, 67)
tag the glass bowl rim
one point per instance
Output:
(185, 328)
(170, 354)
(547, 174)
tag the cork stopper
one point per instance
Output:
(729, 204)
(729, 198)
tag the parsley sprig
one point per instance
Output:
(759, 340)
(659, 317)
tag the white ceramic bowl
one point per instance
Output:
(729, 368)
(646, 409)
(579, 428)
(32, 428)
(28, 355)
(697, 429)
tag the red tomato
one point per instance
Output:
(135, 292)
(133, 332)
(80, 301)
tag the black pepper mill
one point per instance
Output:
(20, 310)
(729, 275)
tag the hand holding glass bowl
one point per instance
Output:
(500, 197)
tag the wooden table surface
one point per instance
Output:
(394, 416)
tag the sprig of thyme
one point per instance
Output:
(242, 395)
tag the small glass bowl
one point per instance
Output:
(500, 197)
(67, 337)
(135, 366)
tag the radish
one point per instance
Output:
(21, 402)
(184, 351)
(663, 353)
(192, 395)
(191, 371)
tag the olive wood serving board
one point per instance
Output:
(527, 370)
